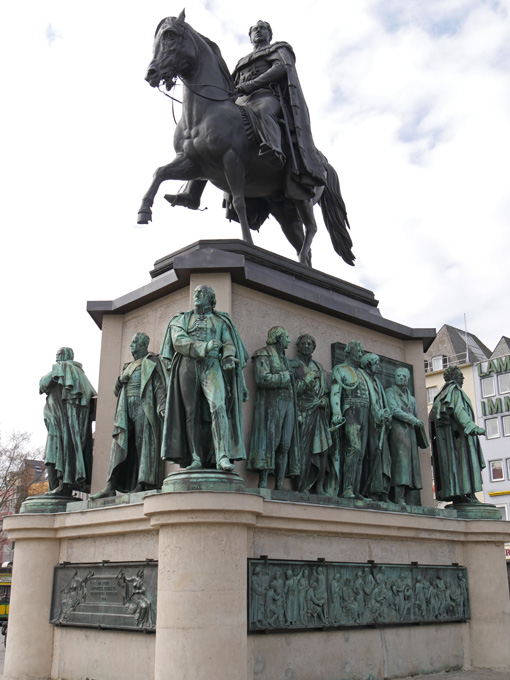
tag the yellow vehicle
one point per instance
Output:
(5, 592)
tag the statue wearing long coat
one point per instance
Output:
(404, 439)
(269, 413)
(68, 415)
(456, 453)
(129, 466)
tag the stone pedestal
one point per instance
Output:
(202, 541)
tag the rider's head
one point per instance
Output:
(261, 24)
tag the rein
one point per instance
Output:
(231, 95)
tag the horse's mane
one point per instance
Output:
(217, 53)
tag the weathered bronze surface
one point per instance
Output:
(376, 472)
(68, 416)
(292, 595)
(249, 135)
(119, 595)
(274, 445)
(204, 480)
(135, 463)
(206, 389)
(406, 435)
(319, 459)
(350, 407)
(456, 452)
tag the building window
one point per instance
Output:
(496, 468)
(508, 468)
(504, 383)
(437, 363)
(488, 386)
(506, 427)
(504, 511)
(431, 394)
(492, 428)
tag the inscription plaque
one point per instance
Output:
(285, 595)
(119, 595)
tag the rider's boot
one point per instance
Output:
(274, 156)
(190, 196)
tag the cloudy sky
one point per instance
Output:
(409, 100)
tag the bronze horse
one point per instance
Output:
(213, 142)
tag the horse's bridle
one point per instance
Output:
(182, 31)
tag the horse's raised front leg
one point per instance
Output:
(305, 210)
(234, 172)
(181, 167)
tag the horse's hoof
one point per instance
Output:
(144, 217)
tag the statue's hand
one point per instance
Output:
(246, 88)
(337, 420)
(229, 363)
(284, 379)
(478, 431)
(123, 379)
(213, 349)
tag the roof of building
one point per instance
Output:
(462, 343)
(502, 348)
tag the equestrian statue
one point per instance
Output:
(247, 133)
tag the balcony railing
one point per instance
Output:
(439, 363)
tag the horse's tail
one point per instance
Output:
(335, 215)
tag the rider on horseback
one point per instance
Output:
(267, 84)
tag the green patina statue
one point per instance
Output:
(406, 435)
(376, 473)
(206, 389)
(456, 452)
(274, 446)
(319, 460)
(135, 464)
(350, 406)
(68, 416)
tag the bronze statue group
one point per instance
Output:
(353, 439)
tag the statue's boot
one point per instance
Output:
(61, 490)
(271, 154)
(107, 492)
(400, 495)
(263, 474)
(348, 492)
(225, 464)
(196, 463)
(183, 199)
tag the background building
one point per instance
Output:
(492, 398)
(452, 347)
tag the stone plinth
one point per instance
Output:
(202, 541)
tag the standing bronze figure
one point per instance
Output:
(319, 462)
(206, 388)
(350, 405)
(406, 435)
(456, 452)
(274, 446)
(68, 416)
(135, 464)
(376, 473)
(229, 135)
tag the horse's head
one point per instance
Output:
(174, 53)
